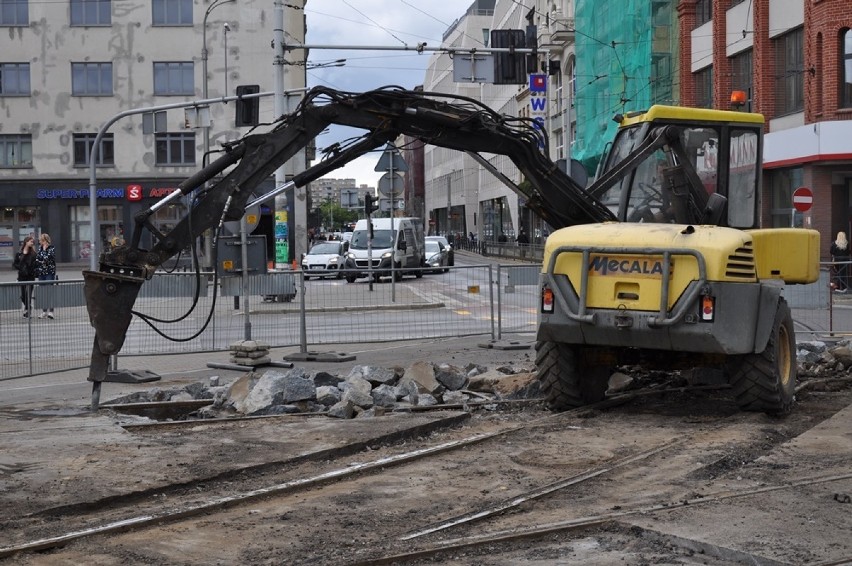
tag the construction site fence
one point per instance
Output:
(297, 310)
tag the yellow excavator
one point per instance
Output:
(660, 261)
(687, 277)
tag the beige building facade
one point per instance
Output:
(67, 68)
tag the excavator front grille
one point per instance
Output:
(741, 263)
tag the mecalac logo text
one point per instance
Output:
(605, 265)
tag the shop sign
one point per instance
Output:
(63, 194)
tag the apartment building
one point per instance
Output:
(69, 68)
(793, 58)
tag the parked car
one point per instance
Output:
(325, 259)
(437, 257)
(451, 256)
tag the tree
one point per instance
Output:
(333, 215)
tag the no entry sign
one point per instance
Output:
(803, 198)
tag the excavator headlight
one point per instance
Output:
(546, 299)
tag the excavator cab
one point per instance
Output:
(685, 166)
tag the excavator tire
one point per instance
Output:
(564, 382)
(767, 381)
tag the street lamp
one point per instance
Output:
(226, 28)
(208, 248)
(204, 54)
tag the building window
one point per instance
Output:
(789, 80)
(83, 144)
(91, 79)
(846, 75)
(704, 88)
(174, 78)
(14, 13)
(91, 12)
(172, 12)
(782, 183)
(175, 148)
(741, 69)
(703, 12)
(14, 79)
(16, 151)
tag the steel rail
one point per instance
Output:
(151, 519)
(224, 502)
(536, 531)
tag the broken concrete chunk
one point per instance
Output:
(240, 355)
(324, 378)
(518, 386)
(474, 369)
(486, 381)
(454, 398)
(296, 388)
(328, 395)
(426, 400)
(359, 384)
(423, 374)
(356, 397)
(342, 410)
(451, 377)
(248, 346)
(618, 382)
(384, 395)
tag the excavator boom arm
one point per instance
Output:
(438, 119)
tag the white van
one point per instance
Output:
(404, 242)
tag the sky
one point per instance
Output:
(385, 23)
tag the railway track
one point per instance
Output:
(521, 502)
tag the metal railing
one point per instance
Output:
(493, 301)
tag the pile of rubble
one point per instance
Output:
(366, 391)
(372, 391)
(816, 359)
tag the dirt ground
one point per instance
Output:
(677, 478)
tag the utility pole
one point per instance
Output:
(295, 165)
(282, 236)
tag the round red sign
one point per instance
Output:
(803, 198)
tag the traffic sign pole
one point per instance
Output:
(390, 161)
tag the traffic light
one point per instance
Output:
(248, 109)
(509, 68)
(370, 203)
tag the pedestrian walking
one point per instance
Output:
(523, 241)
(840, 255)
(25, 263)
(45, 266)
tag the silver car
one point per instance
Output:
(437, 257)
(325, 259)
(451, 259)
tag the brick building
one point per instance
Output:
(793, 58)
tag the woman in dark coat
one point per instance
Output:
(25, 264)
(840, 255)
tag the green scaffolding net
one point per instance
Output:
(626, 52)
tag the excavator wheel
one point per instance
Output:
(767, 381)
(564, 380)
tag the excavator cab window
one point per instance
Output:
(743, 178)
(684, 165)
(651, 196)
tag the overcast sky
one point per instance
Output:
(387, 23)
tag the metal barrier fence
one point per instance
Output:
(284, 310)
